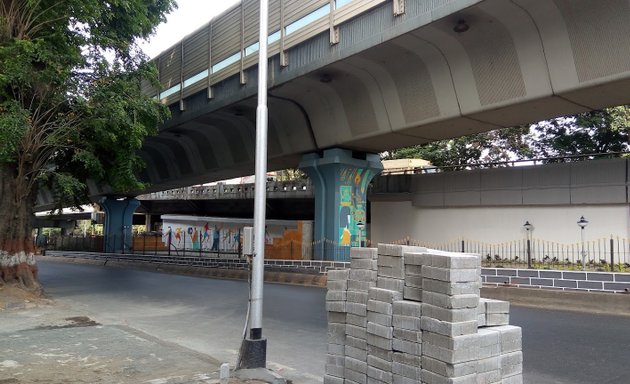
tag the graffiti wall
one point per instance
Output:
(352, 205)
(224, 235)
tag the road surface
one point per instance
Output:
(208, 315)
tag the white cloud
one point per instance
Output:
(189, 16)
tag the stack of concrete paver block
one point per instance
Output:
(413, 315)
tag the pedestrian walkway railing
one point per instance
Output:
(605, 254)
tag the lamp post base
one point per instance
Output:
(254, 354)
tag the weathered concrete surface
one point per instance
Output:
(590, 302)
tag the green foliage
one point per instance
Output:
(70, 101)
(595, 132)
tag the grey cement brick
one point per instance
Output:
(450, 315)
(409, 371)
(385, 354)
(395, 273)
(379, 318)
(337, 317)
(362, 275)
(481, 320)
(461, 355)
(490, 336)
(489, 377)
(591, 285)
(334, 370)
(356, 365)
(357, 297)
(379, 307)
(337, 285)
(328, 379)
(335, 360)
(406, 334)
(356, 353)
(371, 380)
(398, 379)
(450, 302)
(448, 288)
(574, 275)
(357, 377)
(450, 370)
(335, 349)
(336, 295)
(379, 363)
(359, 321)
(492, 279)
(354, 331)
(380, 342)
(511, 338)
(379, 374)
(411, 347)
(380, 330)
(337, 274)
(622, 277)
(565, 283)
(407, 359)
(432, 378)
(336, 306)
(355, 308)
(398, 250)
(413, 270)
(363, 264)
(494, 319)
(407, 308)
(361, 286)
(455, 261)
(413, 281)
(489, 364)
(511, 364)
(411, 323)
(355, 342)
(520, 280)
(385, 295)
(390, 283)
(516, 379)
(451, 275)
(496, 306)
(363, 253)
(417, 259)
(488, 271)
(452, 343)
(412, 293)
(336, 333)
(390, 261)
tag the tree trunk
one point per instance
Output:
(17, 262)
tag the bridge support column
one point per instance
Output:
(341, 182)
(118, 222)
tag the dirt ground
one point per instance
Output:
(42, 341)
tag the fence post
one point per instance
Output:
(612, 255)
(463, 249)
(170, 238)
(529, 254)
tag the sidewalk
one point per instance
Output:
(48, 342)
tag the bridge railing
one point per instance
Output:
(228, 44)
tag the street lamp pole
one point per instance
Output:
(582, 223)
(528, 227)
(254, 353)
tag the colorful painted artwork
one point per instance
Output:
(352, 207)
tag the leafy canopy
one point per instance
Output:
(71, 106)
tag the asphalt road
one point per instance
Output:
(208, 315)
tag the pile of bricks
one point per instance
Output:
(408, 315)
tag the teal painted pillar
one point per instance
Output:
(341, 182)
(118, 223)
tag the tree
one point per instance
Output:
(70, 107)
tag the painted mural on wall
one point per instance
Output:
(352, 205)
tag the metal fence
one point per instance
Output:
(604, 254)
(159, 244)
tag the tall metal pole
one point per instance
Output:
(255, 329)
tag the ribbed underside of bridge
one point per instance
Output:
(440, 69)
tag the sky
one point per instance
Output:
(189, 16)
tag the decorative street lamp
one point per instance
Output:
(528, 227)
(582, 223)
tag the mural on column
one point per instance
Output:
(352, 205)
